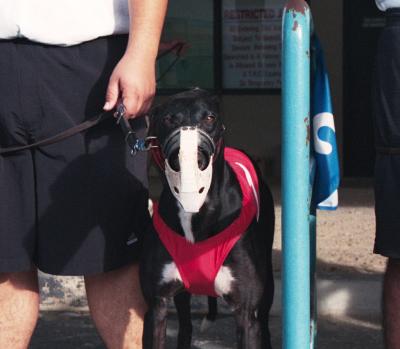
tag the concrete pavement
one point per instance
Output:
(336, 297)
(349, 317)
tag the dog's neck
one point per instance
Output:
(221, 207)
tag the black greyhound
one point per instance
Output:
(247, 282)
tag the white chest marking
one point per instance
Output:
(223, 282)
(170, 273)
(186, 223)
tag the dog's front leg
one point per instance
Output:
(155, 324)
(248, 329)
(182, 304)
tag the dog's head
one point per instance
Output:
(189, 130)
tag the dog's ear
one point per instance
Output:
(215, 99)
(205, 93)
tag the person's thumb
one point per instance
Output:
(111, 95)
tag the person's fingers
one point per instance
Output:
(146, 105)
(138, 103)
(111, 94)
(132, 103)
(147, 101)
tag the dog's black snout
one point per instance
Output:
(203, 159)
(173, 160)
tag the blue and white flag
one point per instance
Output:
(325, 155)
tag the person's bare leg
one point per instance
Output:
(19, 308)
(391, 304)
(117, 307)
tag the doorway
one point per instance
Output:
(362, 25)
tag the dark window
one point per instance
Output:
(231, 46)
(191, 22)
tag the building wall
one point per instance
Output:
(254, 124)
(254, 121)
(328, 19)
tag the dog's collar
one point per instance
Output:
(172, 141)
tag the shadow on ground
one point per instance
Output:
(72, 331)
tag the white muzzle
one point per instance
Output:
(191, 184)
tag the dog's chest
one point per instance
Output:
(186, 223)
(223, 283)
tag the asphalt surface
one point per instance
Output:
(75, 331)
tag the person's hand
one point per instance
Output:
(132, 82)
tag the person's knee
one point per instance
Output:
(393, 264)
(117, 306)
(19, 299)
(115, 286)
(125, 276)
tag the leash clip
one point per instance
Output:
(119, 113)
(147, 143)
(135, 144)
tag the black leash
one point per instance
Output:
(178, 47)
(60, 136)
(134, 143)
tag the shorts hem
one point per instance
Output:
(386, 252)
(86, 268)
(14, 265)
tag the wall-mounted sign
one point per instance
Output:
(251, 44)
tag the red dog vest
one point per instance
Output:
(198, 263)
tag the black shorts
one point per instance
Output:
(70, 207)
(386, 103)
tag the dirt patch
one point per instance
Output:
(345, 237)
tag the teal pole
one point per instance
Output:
(313, 281)
(295, 175)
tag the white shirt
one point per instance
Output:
(62, 22)
(383, 5)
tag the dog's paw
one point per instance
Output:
(205, 325)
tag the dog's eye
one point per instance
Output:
(209, 119)
(167, 120)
